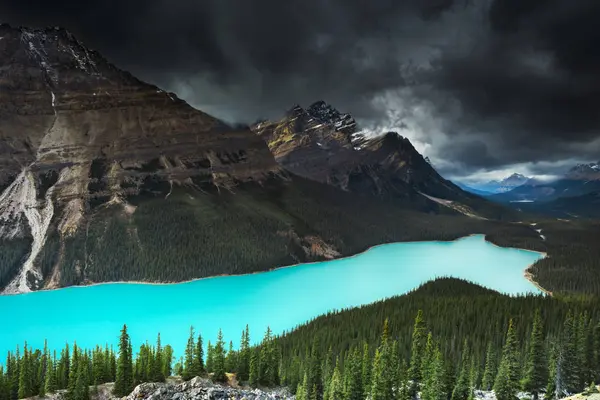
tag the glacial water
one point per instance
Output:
(282, 298)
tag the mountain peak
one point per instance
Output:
(589, 171)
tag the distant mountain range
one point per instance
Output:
(575, 194)
(496, 186)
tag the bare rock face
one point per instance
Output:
(322, 144)
(77, 132)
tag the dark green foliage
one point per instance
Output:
(124, 376)
(490, 370)
(462, 388)
(507, 380)
(218, 357)
(243, 367)
(536, 369)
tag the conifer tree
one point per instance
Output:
(255, 370)
(124, 375)
(42, 370)
(417, 350)
(489, 372)
(219, 360)
(301, 392)
(461, 390)
(50, 381)
(167, 361)
(25, 388)
(210, 356)
(231, 358)
(315, 379)
(353, 376)
(378, 384)
(336, 389)
(568, 368)
(243, 367)
(157, 373)
(433, 385)
(199, 357)
(536, 369)
(269, 363)
(507, 380)
(188, 364)
(366, 369)
(428, 354)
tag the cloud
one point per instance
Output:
(479, 86)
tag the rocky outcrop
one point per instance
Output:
(76, 132)
(203, 389)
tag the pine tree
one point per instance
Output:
(568, 368)
(336, 389)
(269, 362)
(124, 375)
(433, 385)
(507, 383)
(198, 363)
(210, 356)
(167, 361)
(366, 369)
(255, 370)
(50, 382)
(417, 350)
(156, 373)
(25, 387)
(315, 378)
(490, 371)
(378, 388)
(353, 376)
(42, 370)
(536, 369)
(219, 360)
(243, 367)
(301, 391)
(188, 364)
(461, 390)
(596, 353)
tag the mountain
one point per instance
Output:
(577, 181)
(322, 144)
(107, 178)
(497, 186)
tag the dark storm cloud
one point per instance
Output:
(476, 84)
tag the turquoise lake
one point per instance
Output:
(283, 298)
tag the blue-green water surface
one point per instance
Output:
(281, 298)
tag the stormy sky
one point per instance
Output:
(483, 87)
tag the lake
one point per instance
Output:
(282, 298)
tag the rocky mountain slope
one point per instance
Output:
(324, 145)
(107, 178)
(76, 132)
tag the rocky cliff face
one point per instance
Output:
(322, 144)
(76, 132)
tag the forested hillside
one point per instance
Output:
(190, 233)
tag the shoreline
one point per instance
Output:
(526, 273)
